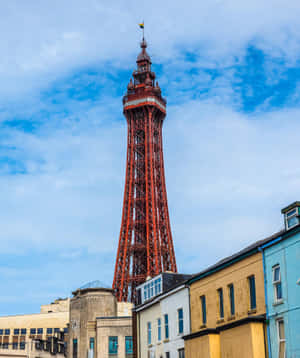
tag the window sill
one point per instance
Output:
(203, 326)
(166, 340)
(252, 311)
(279, 302)
(221, 320)
(150, 345)
(231, 318)
(158, 343)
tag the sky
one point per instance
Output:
(230, 71)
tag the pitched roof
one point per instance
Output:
(249, 250)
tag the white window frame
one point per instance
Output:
(280, 340)
(152, 288)
(287, 217)
(178, 320)
(166, 326)
(157, 286)
(276, 283)
(180, 350)
(159, 329)
(149, 333)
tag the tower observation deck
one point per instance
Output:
(145, 243)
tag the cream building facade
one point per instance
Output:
(31, 350)
(92, 324)
(100, 327)
(17, 331)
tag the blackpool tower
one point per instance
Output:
(145, 243)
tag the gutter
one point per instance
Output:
(261, 249)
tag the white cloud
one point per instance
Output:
(228, 174)
(42, 41)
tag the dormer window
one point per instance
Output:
(152, 288)
(291, 218)
(291, 215)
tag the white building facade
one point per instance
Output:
(163, 319)
(176, 306)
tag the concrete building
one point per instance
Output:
(17, 331)
(99, 325)
(282, 280)
(227, 304)
(162, 316)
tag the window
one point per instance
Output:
(1, 332)
(166, 319)
(5, 342)
(281, 338)
(49, 330)
(128, 345)
(181, 353)
(16, 331)
(32, 330)
(66, 330)
(7, 332)
(40, 330)
(180, 320)
(92, 343)
(167, 354)
(152, 289)
(291, 218)
(203, 308)
(157, 284)
(15, 343)
(277, 283)
(113, 345)
(23, 330)
(75, 348)
(56, 330)
(149, 333)
(221, 303)
(231, 299)
(252, 292)
(159, 329)
(22, 342)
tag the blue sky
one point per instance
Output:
(230, 71)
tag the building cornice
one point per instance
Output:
(240, 322)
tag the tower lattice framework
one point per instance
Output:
(145, 242)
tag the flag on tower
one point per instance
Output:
(141, 25)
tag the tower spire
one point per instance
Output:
(145, 242)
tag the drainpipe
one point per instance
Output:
(260, 249)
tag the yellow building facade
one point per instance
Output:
(227, 304)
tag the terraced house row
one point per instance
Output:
(245, 306)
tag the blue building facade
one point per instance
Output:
(281, 260)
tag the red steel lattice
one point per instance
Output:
(145, 244)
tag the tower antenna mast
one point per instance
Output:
(142, 26)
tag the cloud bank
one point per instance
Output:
(230, 72)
